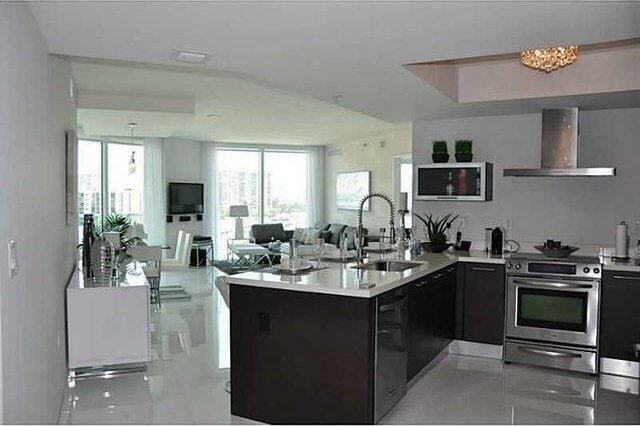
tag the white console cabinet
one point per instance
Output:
(108, 325)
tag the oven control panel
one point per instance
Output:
(558, 268)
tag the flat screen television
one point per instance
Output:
(186, 198)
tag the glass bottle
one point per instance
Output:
(636, 238)
(462, 182)
(449, 187)
(88, 238)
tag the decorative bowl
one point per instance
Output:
(435, 248)
(563, 251)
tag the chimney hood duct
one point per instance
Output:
(560, 148)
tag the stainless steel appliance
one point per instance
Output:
(391, 351)
(560, 148)
(552, 311)
(453, 182)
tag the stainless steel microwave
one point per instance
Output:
(453, 182)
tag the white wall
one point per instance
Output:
(365, 154)
(581, 210)
(35, 111)
(182, 163)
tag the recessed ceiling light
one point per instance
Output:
(212, 115)
(190, 57)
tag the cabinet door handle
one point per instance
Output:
(451, 269)
(623, 277)
(437, 276)
(420, 284)
(392, 305)
(479, 268)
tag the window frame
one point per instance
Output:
(104, 164)
(262, 150)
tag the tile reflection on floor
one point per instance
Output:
(190, 349)
(469, 390)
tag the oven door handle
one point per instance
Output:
(548, 284)
(555, 354)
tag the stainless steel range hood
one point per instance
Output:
(560, 148)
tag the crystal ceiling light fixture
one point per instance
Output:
(549, 59)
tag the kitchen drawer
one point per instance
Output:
(550, 356)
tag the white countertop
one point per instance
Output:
(343, 279)
(632, 265)
(134, 278)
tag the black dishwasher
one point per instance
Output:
(391, 350)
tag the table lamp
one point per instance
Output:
(238, 212)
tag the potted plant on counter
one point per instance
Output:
(436, 231)
(464, 152)
(440, 153)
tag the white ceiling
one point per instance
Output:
(247, 112)
(352, 49)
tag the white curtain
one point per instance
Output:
(209, 151)
(154, 193)
(315, 185)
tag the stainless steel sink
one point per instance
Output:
(387, 265)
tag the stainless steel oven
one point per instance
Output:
(552, 312)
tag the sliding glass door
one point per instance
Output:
(238, 181)
(272, 183)
(285, 189)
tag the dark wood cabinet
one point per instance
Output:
(620, 315)
(301, 357)
(482, 303)
(431, 317)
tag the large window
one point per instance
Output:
(285, 189)
(89, 181)
(114, 169)
(272, 183)
(125, 180)
(238, 180)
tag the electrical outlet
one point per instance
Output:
(462, 223)
(59, 340)
(507, 223)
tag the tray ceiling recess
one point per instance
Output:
(568, 71)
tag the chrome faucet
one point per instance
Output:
(392, 230)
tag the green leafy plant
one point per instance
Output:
(121, 224)
(440, 147)
(437, 227)
(464, 146)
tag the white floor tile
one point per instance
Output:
(185, 382)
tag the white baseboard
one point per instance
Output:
(483, 350)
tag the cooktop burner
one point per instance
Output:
(542, 257)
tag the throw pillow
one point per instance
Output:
(298, 235)
(326, 236)
(311, 235)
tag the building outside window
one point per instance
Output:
(272, 183)
(114, 169)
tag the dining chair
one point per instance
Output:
(181, 260)
(151, 257)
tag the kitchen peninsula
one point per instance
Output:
(340, 344)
